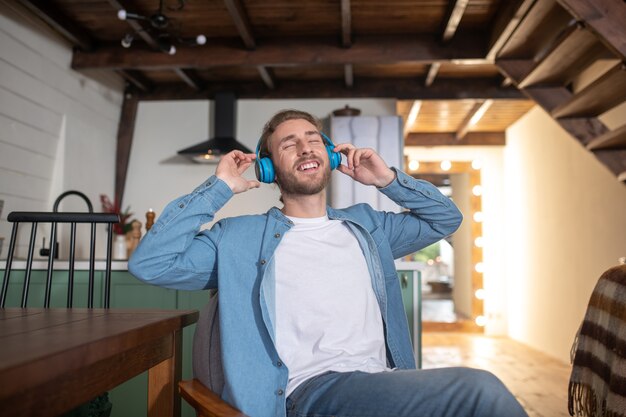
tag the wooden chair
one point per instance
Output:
(202, 392)
(206, 402)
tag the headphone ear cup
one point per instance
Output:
(264, 169)
(333, 157)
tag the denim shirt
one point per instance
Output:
(237, 255)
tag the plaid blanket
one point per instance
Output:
(597, 385)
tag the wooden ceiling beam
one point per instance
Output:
(471, 118)
(137, 80)
(346, 24)
(506, 22)
(449, 139)
(402, 89)
(557, 62)
(348, 75)
(456, 9)
(346, 41)
(584, 129)
(125, 133)
(60, 23)
(575, 50)
(242, 22)
(412, 116)
(432, 73)
(267, 77)
(550, 45)
(542, 22)
(289, 52)
(548, 98)
(515, 69)
(614, 139)
(605, 17)
(601, 95)
(191, 78)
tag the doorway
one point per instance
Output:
(452, 282)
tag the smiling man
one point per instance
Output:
(311, 314)
(305, 154)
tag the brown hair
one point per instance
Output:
(277, 119)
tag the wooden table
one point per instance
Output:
(52, 360)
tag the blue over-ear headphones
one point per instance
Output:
(264, 168)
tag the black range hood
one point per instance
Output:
(223, 141)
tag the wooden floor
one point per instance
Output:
(538, 381)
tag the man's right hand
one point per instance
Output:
(230, 170)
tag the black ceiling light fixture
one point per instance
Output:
(159, 29)
(223, 140)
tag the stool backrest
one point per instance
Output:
(54, 218)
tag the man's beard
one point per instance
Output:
(290, 184)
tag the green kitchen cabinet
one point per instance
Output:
(58, 292)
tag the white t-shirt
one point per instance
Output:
(327, 316)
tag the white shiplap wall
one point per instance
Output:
(57, 127)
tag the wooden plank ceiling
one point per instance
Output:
(467, 68)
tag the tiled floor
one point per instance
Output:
(538, 381)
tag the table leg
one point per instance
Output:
(163, 397)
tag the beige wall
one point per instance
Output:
(565, 225)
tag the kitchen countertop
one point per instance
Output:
(60, 264)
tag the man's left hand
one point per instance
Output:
(365, 166)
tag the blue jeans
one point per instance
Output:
(444, 392)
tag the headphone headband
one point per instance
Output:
(328, 141)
